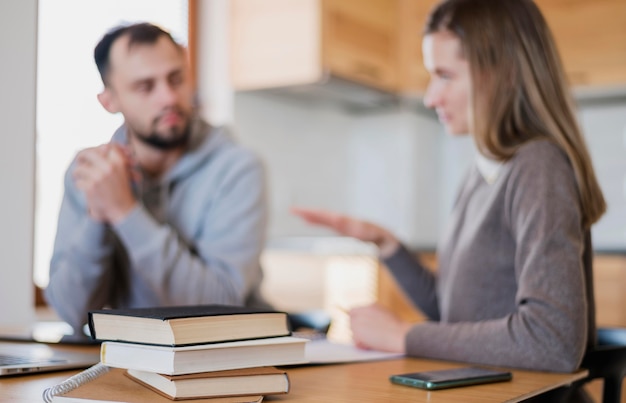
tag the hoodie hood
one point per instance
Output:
(203, 142)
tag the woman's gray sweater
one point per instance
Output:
(514, 283)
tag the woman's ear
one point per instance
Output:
(107, 100)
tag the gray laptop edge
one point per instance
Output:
(18, 358)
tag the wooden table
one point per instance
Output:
(358, 382)
(369, 382)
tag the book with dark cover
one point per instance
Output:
(186, 325)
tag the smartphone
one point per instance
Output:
(450, 378)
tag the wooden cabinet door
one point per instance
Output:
(379, 42)
(609, 276)
(278, 43)
(591, 37)
(360, 41)
(274, 43)
(412, 19)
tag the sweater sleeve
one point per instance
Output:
(221, 263)
(548, 328)
(80, 267)
(417, 282)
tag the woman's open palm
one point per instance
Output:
(348, 226)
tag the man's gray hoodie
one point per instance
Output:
(195, 236)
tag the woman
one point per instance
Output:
(514, 284)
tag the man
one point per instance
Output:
(171, 211)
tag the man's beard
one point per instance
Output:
(177, 138)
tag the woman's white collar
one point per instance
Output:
(488, 168)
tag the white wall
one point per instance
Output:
(18, 39)
(214, 90)
(397, 167)
(382, 165)
(305, 148)
(396, 173)
(604, 124)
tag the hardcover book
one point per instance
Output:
(103, 384)
(274, 351)
(186, 325)
(239, 382)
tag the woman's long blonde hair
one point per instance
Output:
(519, 90)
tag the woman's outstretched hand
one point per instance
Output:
(377, 328)
(348, 226)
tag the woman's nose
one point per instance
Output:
(431, 97)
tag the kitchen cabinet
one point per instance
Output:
(274, 43)
(609, 276)
(377, 43)
(278, 43)
(360, 41)
(591, 37)
(413, 75)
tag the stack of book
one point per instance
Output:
(199, 352)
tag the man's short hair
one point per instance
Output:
(138, 33)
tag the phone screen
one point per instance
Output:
(449, 378)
